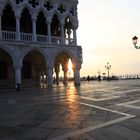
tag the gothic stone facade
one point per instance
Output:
(36, 37)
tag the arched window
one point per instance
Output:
(8, 19)
(55, 26)
(68, 27)
(3, 69)
(41, 26)
(25, 21)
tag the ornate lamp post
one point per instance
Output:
(135, 40)
(108, 67)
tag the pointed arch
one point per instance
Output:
(62, 58)
(64, 51)
(68, 27)
(25, 21)
(10, 53)
(41, 26)
(28, 50)
(55, 26)
(61, 65)
(6, 2)
(6, 69)
(8, 15)
(34, 65)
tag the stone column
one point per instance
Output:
(77, 75)
(0, 26)
(57, 74)
(62, 32)
(49, 31)
(18, 77)
(69, 33)
(34, 38)
(42, 80)
(50, 77)
(38, 76)
(65, 70)
(74, 36)
(17, 28)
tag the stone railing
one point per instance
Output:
(55, 40)
(27, 37)
(8, 35)
(42, 39)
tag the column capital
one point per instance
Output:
(34, 18)
(49, 64)
(17, 67)
(49, 20)
(62, 21)
(77, 66)
(75, 24)
(18, 14)
(74, 27)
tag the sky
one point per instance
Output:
(105, 32)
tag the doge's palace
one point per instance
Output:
(36, 37)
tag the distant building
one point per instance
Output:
(36, 36)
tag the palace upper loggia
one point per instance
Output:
(36, 38)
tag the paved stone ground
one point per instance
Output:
(94, 111)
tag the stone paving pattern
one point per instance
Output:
(93, 111)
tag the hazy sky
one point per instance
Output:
(105, 32)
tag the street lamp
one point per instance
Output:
(135, 40)
(108, 67)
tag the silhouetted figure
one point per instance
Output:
(88, 78)
(99, 78)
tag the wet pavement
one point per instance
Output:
(94, 111)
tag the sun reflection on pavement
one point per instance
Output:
(71, 92)
(75, 112)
